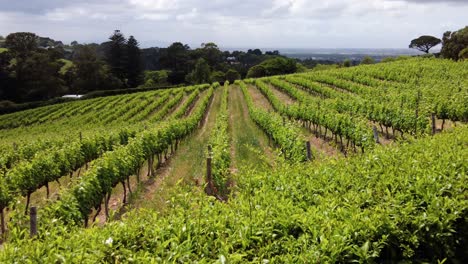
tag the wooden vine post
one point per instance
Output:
(33, 221)
(376, 134)
(209, 177)
(2, 216)
(81, 136)
(309, 152)
(433, 123)
(418, 99)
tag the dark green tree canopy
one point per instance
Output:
(424, 43)
(453, 43)
(117, 55)
(175, 56)
(232, 75)
(176, 59)
(273, 53)
(273, 66)
(211, 53)
(155, 78)
(38, 76)
(257, 71)
(218, 76)
(368, 60)
(21, 43)
(257, 52)
(118, 63)
(201, 73)
(347, 63)
(134, 66)
(90, 72)
(463, 55)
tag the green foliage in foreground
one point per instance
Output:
(287, 136)
(221, 149)
(117, 166)
(402, 203)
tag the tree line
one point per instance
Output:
(34, 68)
(33, 71)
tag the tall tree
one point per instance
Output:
(201, 73)
(424, 43)
(175, 56)
(453, 43)
(8, 88)
(211, 53)
(38, 76)
(232, 75)
(22, 43)
(134, 64)
(368, 60)
(117, 55)
(90, 72)
(176, 59)
(36, 71)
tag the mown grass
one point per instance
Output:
(248, 141)
(187, 166)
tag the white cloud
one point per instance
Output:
(279, 7)
(188, 16)
(261, 23)
(62, 14)
(155, 5)
(154, 16)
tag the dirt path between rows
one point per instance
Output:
(259, 99)
(285, 98)
(186, 166)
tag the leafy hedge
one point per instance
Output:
(219, 142)
(52, 164)
(391, 205)
(286, 135)
(117, 166)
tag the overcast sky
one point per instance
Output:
(238, 23)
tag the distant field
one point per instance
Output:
(361, 164)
